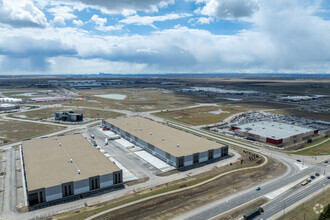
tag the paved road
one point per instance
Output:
(218, 207)
(299, 193)
(9, 204)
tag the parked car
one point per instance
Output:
(309, 180)
(298, 160)
(312, 177)
(258, 188)
(317, 174)
(326, 161)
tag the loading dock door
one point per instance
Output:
(33, 199)
(210, 154)
(196, 158)
(180, 162)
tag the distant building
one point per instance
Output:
(8, 107)
(68, 116)
(11, 100)
(175, 147)
(65, 168)
(279, 134)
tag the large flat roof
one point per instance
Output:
(48, 164)
(164, 137)
(274, 130)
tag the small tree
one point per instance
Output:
(325, 215)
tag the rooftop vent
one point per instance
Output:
(140, 129)
(177, 145)
(78, 171)
(71, 160)
(163, 139)
(150, 133)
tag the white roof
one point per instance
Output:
(274, 130)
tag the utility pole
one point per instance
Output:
(284, 210)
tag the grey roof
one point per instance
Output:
(274, 130)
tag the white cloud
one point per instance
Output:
(21, 13)
(119, 6)
(149, 20)
(286, 36)
(101, 24)
(78, 23)
(201, 20)
(59, 21)
(62, 11)
(228, 9)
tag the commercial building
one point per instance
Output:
(65, 167)
(275, 133)
(69, 116)
(175, 147)
(11, 100)
(8, 107)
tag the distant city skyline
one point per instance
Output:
(164, 36)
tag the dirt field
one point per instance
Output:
(12, 131)
(324, 116)
(201, 115)
(242, 210)
(305, 210)
(168, 206)
(49, 113)
(136, 99)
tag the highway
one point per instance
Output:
(282, 202)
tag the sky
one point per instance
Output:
(164, 36)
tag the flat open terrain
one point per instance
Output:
(324, 116)
(45, 113)
(136, 99)
(12, 130)
(202, 115)
(305, 211)
(319, 149)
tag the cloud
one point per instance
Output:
(230, 9)
(21, 13)
(201, 20)
(64, 12)
(101, 24)
(284, 36)
(149, 20)
(27, 54)
(78, 23)
(59, 21)
(127, 6)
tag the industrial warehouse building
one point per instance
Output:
(68, 116)
(65, 167)
(275, 133)
(175, 147)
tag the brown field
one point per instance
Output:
(136, 99)
(324, 116)
(13, 131)
(201, 115)
(49, 113)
